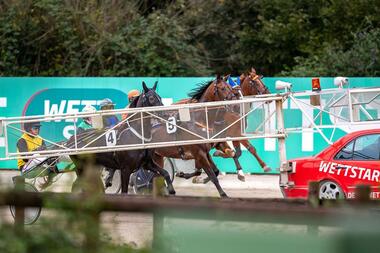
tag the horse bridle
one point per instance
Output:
(145, 98)
(230, 96)
(252, 83)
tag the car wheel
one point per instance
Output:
(330, 190)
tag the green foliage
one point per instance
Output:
(187, 38)
(362, 59)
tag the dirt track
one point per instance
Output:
(136, 229)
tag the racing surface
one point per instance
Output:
(136, 228)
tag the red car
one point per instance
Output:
(354, 159)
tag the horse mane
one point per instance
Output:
(197, 92)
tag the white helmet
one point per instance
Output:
(88, 108)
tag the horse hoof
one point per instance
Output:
(180, 174)
(196, 180)
(200, 180)
(206, 180)
(230, 153)
(240, 175)
(241, 178)
(267, 169)
(217, 153)
(224, 195)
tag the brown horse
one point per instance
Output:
(217, 90)
(251, 84)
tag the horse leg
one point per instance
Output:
(125, 174)
(109, 178)
(184, 175)
(157, 165)
(166, 176)
(213, 167)
(209, 167)
(252, 150)
(239, 170)
(224, 150)
(76, 187)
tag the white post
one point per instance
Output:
(5, 125)
(207, 129)
(142, 128)
(281, 143)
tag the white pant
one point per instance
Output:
(32, 163)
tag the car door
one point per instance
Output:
(358, 162)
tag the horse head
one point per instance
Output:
(148, 98)
(215, 90)
(251, 84)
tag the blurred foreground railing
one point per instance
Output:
(312, 212)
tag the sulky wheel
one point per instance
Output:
(31, 214)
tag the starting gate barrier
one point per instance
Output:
(199, 123)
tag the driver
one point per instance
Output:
(132, 94)
(86, 121)
(108, 120)
(30, 141)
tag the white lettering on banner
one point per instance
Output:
(350, 171)
(68, 131)
(54, 109)
(71, 109)
(3, 102)
(67, 106)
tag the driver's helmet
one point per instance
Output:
(88, 108)
(29, 125)
(232, 83)
(132, 94)
(106, 104)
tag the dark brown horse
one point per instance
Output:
(217, 90)
(127, 161)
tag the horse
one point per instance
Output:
(128, 132)
(217, 90)
(250, 85)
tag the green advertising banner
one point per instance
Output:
(49, 96)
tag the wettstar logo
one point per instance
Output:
(60, 101)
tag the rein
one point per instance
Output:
(135, 132)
